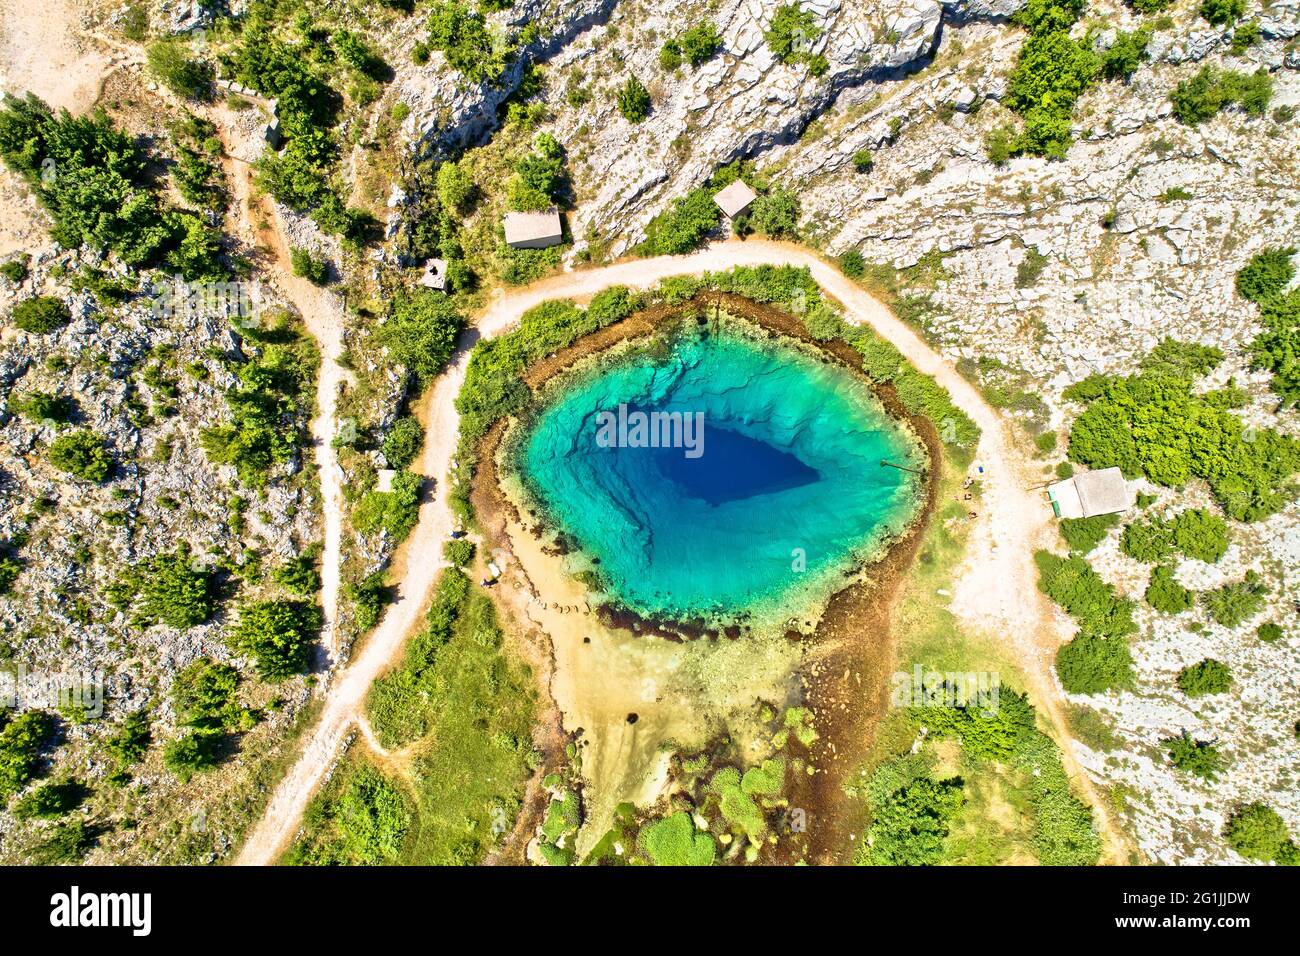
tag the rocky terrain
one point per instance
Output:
(1055, 269)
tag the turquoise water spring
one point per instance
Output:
(770, 490)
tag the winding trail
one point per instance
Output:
(996, 593)
(258, 222)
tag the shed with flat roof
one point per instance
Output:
(735, 199)
(1100, 492)
(534, 230)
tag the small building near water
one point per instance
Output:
(534, 230)
(1100, 492)
(735, 199)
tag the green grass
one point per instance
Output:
(466, 709)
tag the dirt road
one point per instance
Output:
(997, 589)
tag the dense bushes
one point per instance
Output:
(1258, 832)
(277, 635)
(171, 588)
(42, 407)
(683, 225)
(1053, 71)
(1212, 89)
(306, 266)
(81, 454)
(1098, 658)
(361, 822)
(1152, 424)
(1084, 534)
(394, 512)
(268, 407)
(910, 814)
(1267, 274)
(696, 45)
(41, 315)
(1222, 12)
(403, 442)
(21, 738)
(1194, 756)
(539, 180)
(1277, 349)
(421, 331)
(1165, 594)
(462, 36)
(1197, 533)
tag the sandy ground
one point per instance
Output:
(996, 592)
(44, 49)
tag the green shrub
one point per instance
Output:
(171, 588)
(910, 815)
(395, 512)
(1193, 756)
(42, 407)
(181, 74)
(459, 552)
(683, 225)
(403, 442)
(81, 454)
(277, 635)
(792, 33)
(775, 213)
(852, 264)
(1234, 603)
(1126, 54)
(204, 695)
(1270, 632)
(129, 743)
(1277, 349)
(1258, 832)
(1084, 534)
(1165, 594)
(539, 179)
(700, 42)
(1211, 90)
(463, 37)
(1267, 274)
(41, 315)
(674, 841)
(306, 266)
(1244, 37)
(864, 161)
(192, 753)
(633, 100)
(1200, 534)
(1098, 658)
(456, 189)
(67, 843)
(299, 575)
(1207, 677)
(21, 739)
(369, 596)
(1152, 424)
(15, 270)
(51, 801)
(421, 332)
(1222, 12)
(670, 55)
